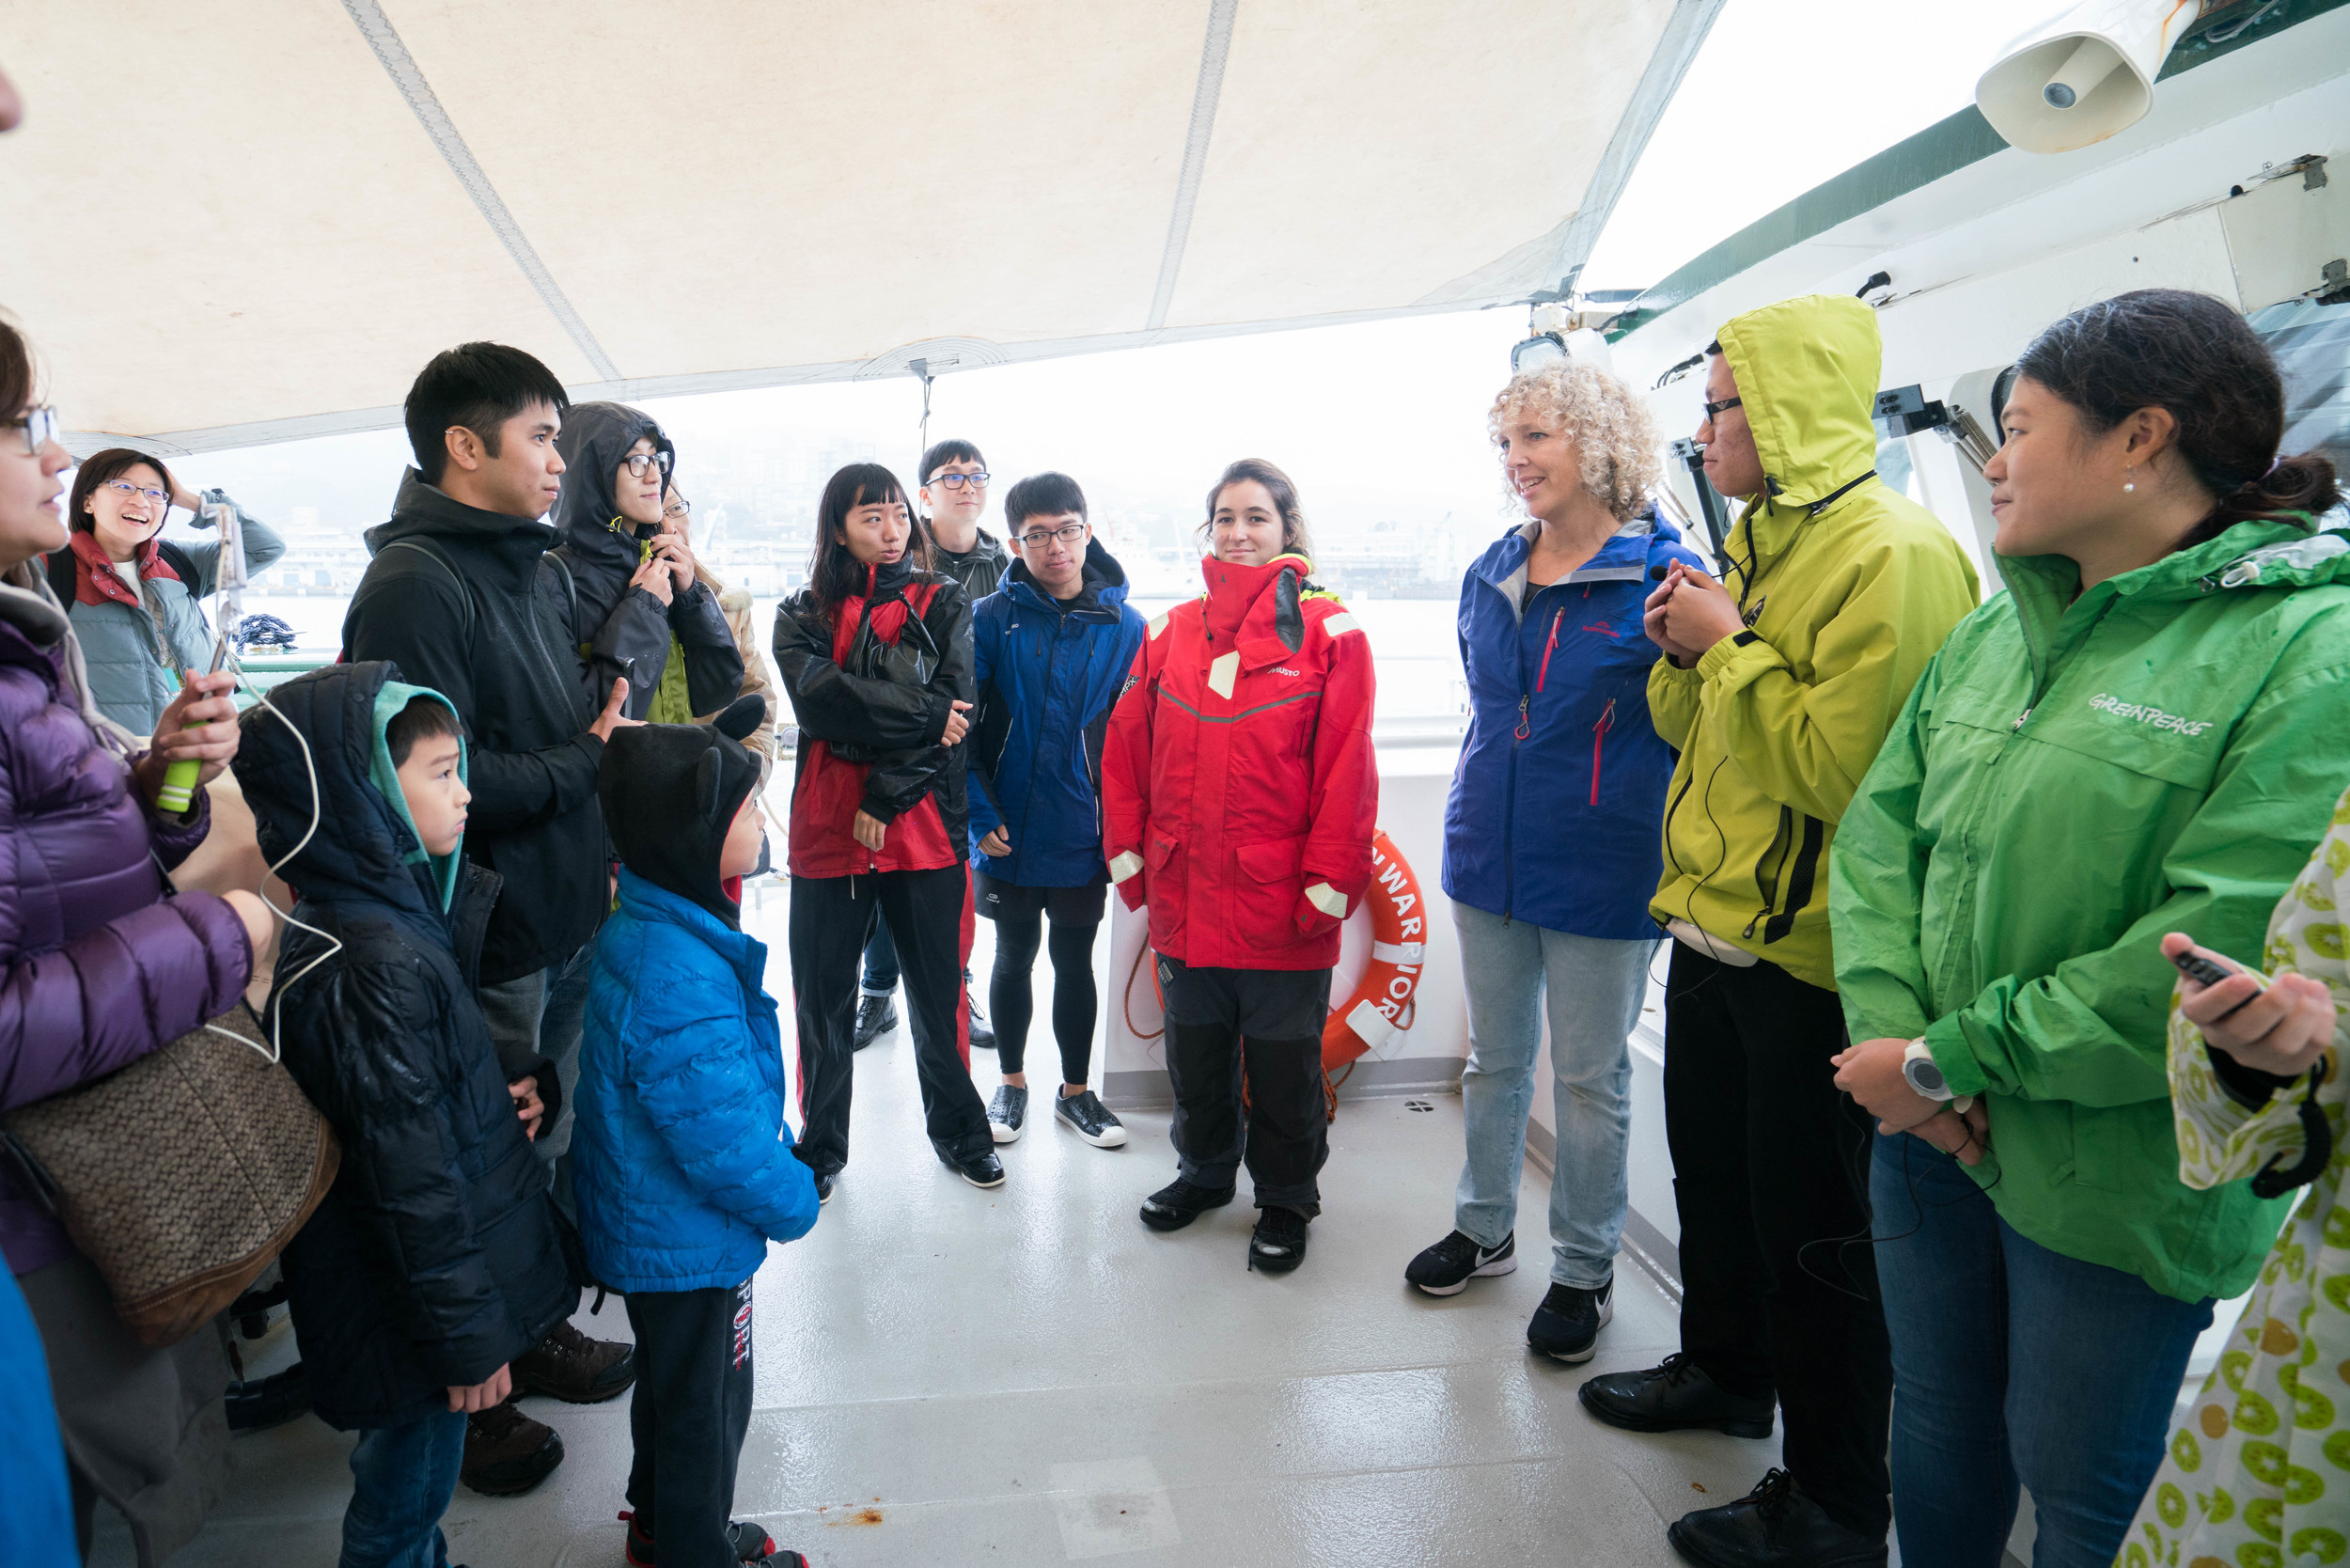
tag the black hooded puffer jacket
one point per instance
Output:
(628, 630)
(434, 1259)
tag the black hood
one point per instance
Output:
(364, 847)
(594, 438)
(669, 794)
(423, 508)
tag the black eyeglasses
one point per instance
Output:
(956, 482)
(639, 462)
(1068, 533)
(1713, 410)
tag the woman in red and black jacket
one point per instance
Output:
(876, 653)
(1241, 793)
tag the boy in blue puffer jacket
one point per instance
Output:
(683, 1162)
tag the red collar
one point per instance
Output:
(95, 579)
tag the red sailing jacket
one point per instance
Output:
(917, 789)
(1239, 788)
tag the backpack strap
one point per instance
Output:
(181, 562)
(61, 581)
(570, 587)
(464, 595)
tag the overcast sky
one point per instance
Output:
(1386, 419)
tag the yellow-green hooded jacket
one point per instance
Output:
(1847, 588)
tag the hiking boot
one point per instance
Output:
(982, 1038)
(1278, 1242)
(751, 1542)
(1007, 1112)
(1566, 1326)
(1775, 1526)
(260, 1403)
(981, 1171)
(507, 1453)
(574, 1368)
(1177, 1203)
(1675, 1395)
(875, 1016)
(1084, 1113)
(1446, 1268)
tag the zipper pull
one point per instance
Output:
(1526, 725)
(2019, 721)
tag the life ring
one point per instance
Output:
(1381, 1006)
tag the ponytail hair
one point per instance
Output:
(2196, 358)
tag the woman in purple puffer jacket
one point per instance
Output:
(100, 963)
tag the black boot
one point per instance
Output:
(262, 1402)
(1775, 1526)
(1671, 1397)
(875, 1016)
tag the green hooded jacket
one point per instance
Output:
(2072, 779)
(1847, 588)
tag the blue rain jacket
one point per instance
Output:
(681, 1162)
(1559, 799)
(1049, 674)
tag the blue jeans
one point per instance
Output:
(402, 1478)
(1594, 989)
(2012, 1362)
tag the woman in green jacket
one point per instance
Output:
(2141, 736)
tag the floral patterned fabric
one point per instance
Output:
(2259, 1477)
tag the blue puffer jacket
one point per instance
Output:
(1559, 799)
(681, 1162)
(1049, 673)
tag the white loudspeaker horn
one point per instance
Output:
(2083, 75)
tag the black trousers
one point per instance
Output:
(691, 1406)
(929, 916)
(1771, 1178)
(1259, 1029)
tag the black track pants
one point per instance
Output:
(1011, 998)
(929, 916)
(1770, 1175)
(691, 1406)
(1261, 1028)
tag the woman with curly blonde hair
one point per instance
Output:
(1551, 838)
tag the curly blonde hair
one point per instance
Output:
(1605, 419)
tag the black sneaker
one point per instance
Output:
(1446, 1268)
(1775, 1526)
(1084, 1113)
(507, 1453)
(823, 1187)
(981, 1171)
(982, 1038)
(1008, 1113)
(1567, 1324)
(1177, 1203)
(751, 1542)
(1675, 1395)
(875, 1016)
(1278, 1242)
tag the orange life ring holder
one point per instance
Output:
(1381, 1006)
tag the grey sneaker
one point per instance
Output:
(1007, 1112)
(1084, 1113)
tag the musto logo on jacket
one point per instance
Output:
(2146, 713)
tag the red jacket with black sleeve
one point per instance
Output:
(913, 784)
(1239, 788)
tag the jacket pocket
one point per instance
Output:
(1264, 895)
(1163, 888)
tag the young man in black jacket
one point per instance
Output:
(460, 595)
(954, 497)
(432, 1267)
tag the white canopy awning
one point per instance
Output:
(259, 218)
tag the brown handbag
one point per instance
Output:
(181, 1176)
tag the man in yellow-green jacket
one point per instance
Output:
(1778, 685)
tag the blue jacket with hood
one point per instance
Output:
(434, 1258)
(1559, 799)
(681, 1161)
(1048, 675)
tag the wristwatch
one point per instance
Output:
(1918, 1068)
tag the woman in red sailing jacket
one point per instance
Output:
(876, 653)
(1240, 794)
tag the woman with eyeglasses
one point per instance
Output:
(134, 596)
(677, 517)
(101, 964)
(1239, 797)
(638, 609)
(875, 654)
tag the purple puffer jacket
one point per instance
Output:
(98, 967)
